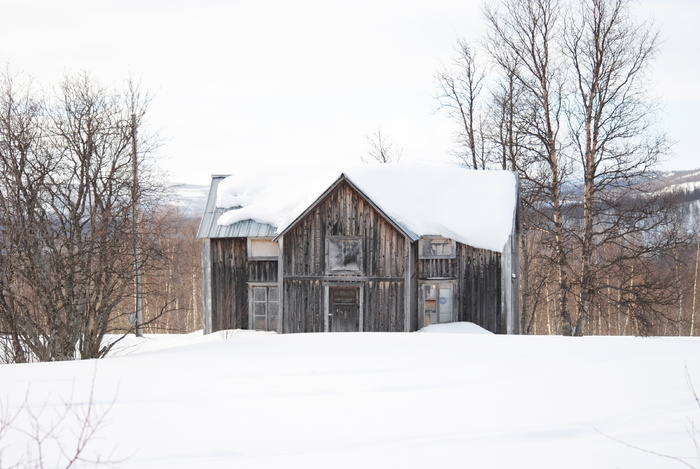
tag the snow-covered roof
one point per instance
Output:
(209, 227)
(473, 207)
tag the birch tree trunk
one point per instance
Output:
(693, 308)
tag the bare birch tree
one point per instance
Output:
(507, 133)
(611, 121)
(382, 149)
(66, 185)
(569, 110)
(523, 37)
(460, 87)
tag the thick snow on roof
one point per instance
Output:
(473, 207)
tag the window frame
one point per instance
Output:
(251, 305)
(438, 283)
(327, 302)
(250, 255)
(429, 239)
(344, 271)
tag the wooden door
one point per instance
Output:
(344, 309)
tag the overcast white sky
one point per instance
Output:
(240, 82)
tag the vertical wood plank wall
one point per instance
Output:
(344, 212)
(206, 286)
(478, 274)
(231, 270)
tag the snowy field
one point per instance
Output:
(454, 398)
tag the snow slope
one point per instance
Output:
(456, 399)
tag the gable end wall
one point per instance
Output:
(344, 212)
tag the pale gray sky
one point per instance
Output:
(240, 82)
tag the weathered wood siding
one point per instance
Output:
(344, 212)
(415, 323)
(206, 285)
(384, 306)
(229, 287)
(303, 306)
(478, 275)
(230, 273)
(262, 271)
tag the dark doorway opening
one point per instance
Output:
(344, 309)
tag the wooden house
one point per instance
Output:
(361, 250)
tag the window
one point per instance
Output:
(262, 249)
(343, 255)
(264, 307)
(437, 303)
(430, 247)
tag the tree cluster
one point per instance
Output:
(67, 205)
(175, 282)
(562, 97)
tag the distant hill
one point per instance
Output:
(191, 199)
(685, 184)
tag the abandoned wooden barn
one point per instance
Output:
(377, 248)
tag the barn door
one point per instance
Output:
(344, 309)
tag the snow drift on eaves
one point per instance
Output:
(473, 207)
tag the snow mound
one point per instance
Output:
(455, 328)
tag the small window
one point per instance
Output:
(264, 301)
(262, 249)
(343, 255)
(437, 248)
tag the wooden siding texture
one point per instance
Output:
(478, 275)
(262, 271)
(303, 304)
(230, 273)
(229, 288)
(384, 306)
(344, 212)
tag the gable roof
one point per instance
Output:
(473, 207)
(344, 178)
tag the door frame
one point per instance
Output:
(456, 304)
(251, 304)
(327, 302)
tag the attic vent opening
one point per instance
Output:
(344, 255)
(434, 247)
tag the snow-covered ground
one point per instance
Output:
(458, 398)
